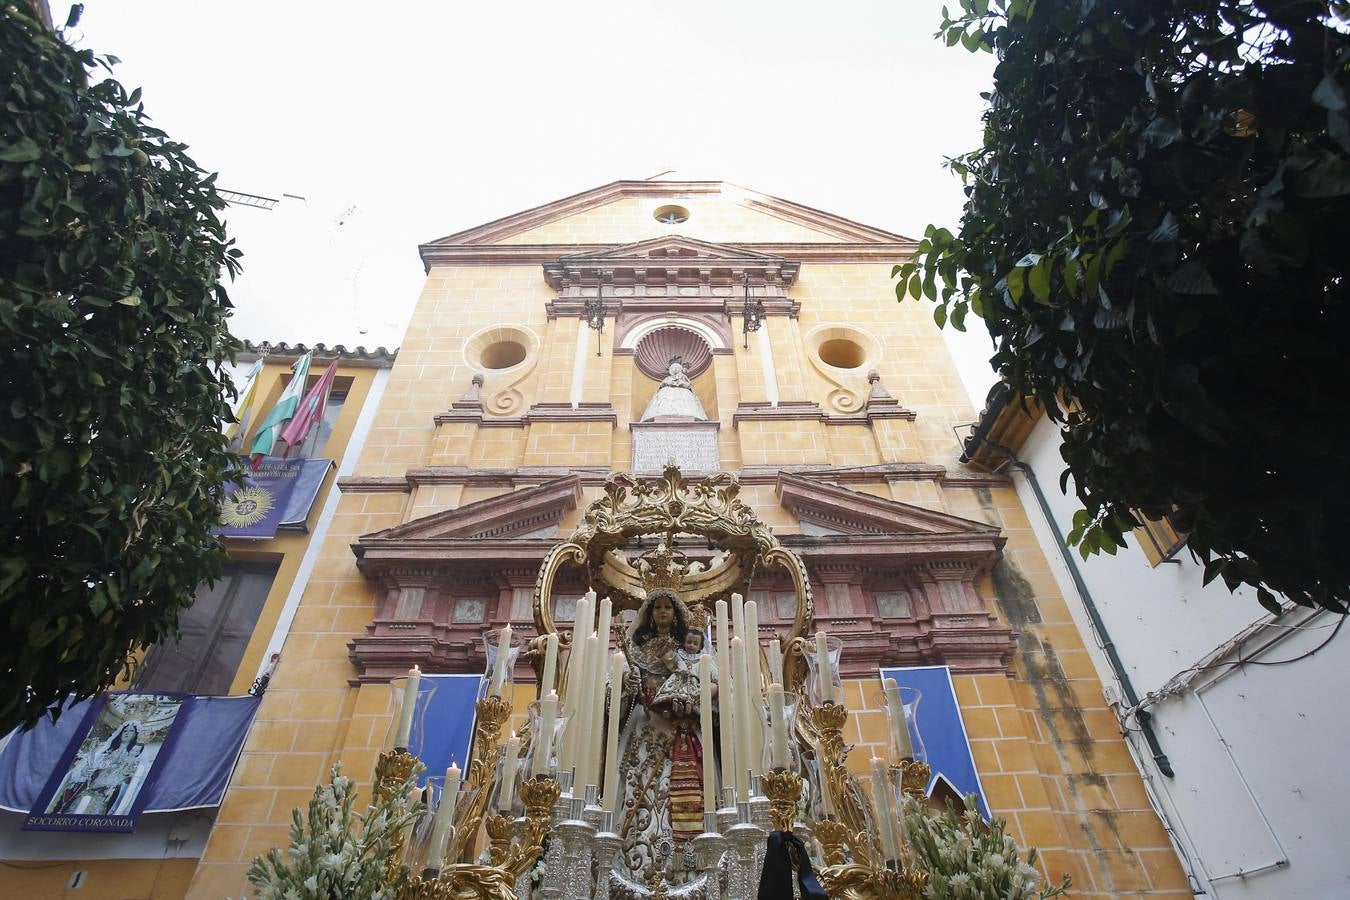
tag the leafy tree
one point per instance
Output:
(112, 335)
(1156, 233)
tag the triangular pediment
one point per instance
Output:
(831, 509)
(670, 249)
(808, 221)
(525, 513)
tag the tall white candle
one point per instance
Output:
(738, 615)
(778, 726)
(881, 800)
(775, 661)
(755, 683)
(510, 759)
(745, 765)
(904, 748)
(546, 686)
(705, 722)
(445, 817)
(726, 704)
(618, 665)
(576, 665)
(499, 668)
(602, 624)
(543, 741)
(823, 669)
(598, 692)
(406, 708)
(588, 745)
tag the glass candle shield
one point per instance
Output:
(791, 701)
(426, 689)
(424, 828)
(909, 699)
(835, 649)
(491, 640)
(548, 744)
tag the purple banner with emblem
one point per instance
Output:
(256, 507)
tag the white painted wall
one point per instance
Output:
(1257, 801)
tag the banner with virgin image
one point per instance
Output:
(100, 782)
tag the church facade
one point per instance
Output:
(644, 322)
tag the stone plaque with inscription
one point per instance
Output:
(693, 446)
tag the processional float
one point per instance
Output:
(556, 819)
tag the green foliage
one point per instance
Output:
(967, 858)
(335, 854)
(112, 334)
(1155, 234)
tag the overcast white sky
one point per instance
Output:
(408, 121)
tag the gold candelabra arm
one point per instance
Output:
(826, 723)
(498, 829)
(539, 794)
(784, 789)
(393, 768)
(492, 715)
(832, 835)
(914, 776)
(461, 881)
(858, 882)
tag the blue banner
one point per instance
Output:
(111, 758)
(256, 507)
(442, 728)
(940, 726)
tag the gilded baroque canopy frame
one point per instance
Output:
(671, 508)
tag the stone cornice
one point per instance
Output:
(810, 411)
(593, 476)
(807, 253)
(540, 412)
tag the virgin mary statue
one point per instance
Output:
(662, 762)
(675, 400)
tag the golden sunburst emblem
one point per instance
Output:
(247, 506)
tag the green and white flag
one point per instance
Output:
(269, 430)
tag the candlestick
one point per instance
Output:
(726, 704)
(823, 671)
(499, 669)
(550, 665)
(548, 716)
(752, 641)
(705, 722)
(405, 711)
(738, 615)
(881, 800)
(904, 748)
(743, 720)
(776, 661)
(618, 666)
(778, 727)
(508, 785)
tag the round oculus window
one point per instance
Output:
(502, 354)
(671, 214)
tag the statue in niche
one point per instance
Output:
(675, 399)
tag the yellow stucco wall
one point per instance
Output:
(1047, 748)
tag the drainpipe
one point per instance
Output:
(1142, 716)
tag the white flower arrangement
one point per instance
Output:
(335, 853)
(967, 858)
